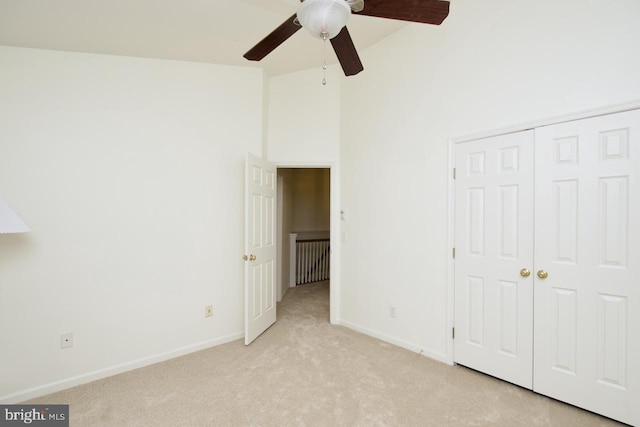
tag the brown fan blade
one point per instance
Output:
(346, 53)
(273, 40)
(423, 11)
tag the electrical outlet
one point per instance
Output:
(392, 311)
(208, 311)
(66, 340)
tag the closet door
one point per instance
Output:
(494, 253)
(587, 264)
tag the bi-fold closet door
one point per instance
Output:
(547, 238)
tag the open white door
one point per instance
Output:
(260, 248)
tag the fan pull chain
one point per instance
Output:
(324, 58)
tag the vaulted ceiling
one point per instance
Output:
(211, 31)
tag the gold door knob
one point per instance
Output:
(252, 257)
(542, 274)
(245, 257)
(524, 272)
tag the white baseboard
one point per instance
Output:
(66, 383)
(441, 357)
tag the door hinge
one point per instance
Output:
(454, 253)
(454, 173)
(453, 333)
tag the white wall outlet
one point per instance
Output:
(66, 340)
(392, 311)
(208, 311)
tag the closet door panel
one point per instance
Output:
(587, 308)
(494, 226)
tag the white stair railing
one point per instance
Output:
(310, 257)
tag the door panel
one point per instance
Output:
(260, 247)
(587, 311)
(494, 224)
(579, 312)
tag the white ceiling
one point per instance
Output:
(212, 31)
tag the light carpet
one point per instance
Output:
(305, 372)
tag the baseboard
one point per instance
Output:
(66, 383)
(440, 357)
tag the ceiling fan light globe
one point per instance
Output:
(324, 17)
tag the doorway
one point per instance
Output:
(303, 214)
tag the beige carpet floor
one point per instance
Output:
(305, 372)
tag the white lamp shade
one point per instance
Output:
(324, 16)
(10, 222)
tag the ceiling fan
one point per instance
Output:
(326, 19)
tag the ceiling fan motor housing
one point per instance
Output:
(324, 18)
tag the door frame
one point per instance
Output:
(451, 189)
(334, 236)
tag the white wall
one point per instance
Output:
(304, 130)
(130, 173)
(492, 64)
(304, 117)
